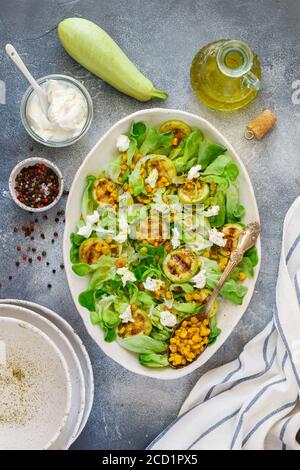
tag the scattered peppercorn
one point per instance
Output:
(43, 236)
(32, 238)
(33, 250)
(19, 248)
(36, 220)
(10, 278)
(15, 229)
(52, 241)
(45, 217)
(47, 264)
(39, 257)
(28, 248)
(65, 192)
(49, 286)
(55, 234)
(24, 257)
(44, 253)
(62, 266)
(56, 220)
(37, 186)
(17, 263)
(30, 260)
(54, 271)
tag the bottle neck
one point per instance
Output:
(234, 58)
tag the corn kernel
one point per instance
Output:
(188, 297)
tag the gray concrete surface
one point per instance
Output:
(161, 37)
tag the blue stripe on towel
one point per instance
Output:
(285, 343)
(255, 399)
(258, 374)
(226, 379)
(282, 431)
(265, 418)
(213, 427)
(243, 379)
(292, 249)
(297, 288)
(228, 376)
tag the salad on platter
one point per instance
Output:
(156, 231)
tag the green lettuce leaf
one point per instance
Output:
(87, 202)
(156, 142)
(234, 210)
(154, 360)
(190, 154)
(215, 330)
(208, 152)
(219, 200)
(114, 169)
(106, 270)
(234, 291)
(252, 255)
(137, 132)
(87, 299)
(142, 344)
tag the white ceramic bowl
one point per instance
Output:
(30, 162)
(71, 82)
(45, 396)
(98, 159)
(75, 416)
(80, 351)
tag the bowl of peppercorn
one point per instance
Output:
(36, 184)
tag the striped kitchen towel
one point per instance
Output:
(252, 402)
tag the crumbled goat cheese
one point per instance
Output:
(126, 275)
(122, 143)
(200, 279)
(126, 316)
(85, 231)
(212, 211)
(217, 237)
(168, 319)
(176, 238)
(194, 172)
(152, 284)
(93, 218)
(169, 303)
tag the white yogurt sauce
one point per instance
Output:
(67, 112)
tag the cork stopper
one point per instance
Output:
(259, 126)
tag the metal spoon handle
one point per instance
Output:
(247, 239)
(12, 53)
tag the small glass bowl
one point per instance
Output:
(27, 95)
(31, 162)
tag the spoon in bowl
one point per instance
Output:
(42, 95)
(247, 240)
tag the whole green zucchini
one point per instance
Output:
(95, 50)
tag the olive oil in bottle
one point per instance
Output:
(226, 75)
